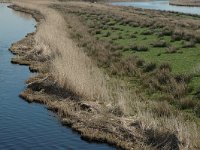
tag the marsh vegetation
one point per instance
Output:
(125, 76)
(163, 55)
(156, 55)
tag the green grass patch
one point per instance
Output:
(181, 59)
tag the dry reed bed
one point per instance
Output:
(68, 62)
(73, 71)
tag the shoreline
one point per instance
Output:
(79, 123)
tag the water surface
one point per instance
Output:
(160, 5)
(26, 126)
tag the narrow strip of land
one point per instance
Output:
(190, 3)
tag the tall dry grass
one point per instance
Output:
(73, 70)
(70, 67)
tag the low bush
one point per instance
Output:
(166, 32)
(126, 48)
(197, 94)
(120, 37)
(177, 36)
(116, 47)
(98, 32)
(134, 24)
(114, 38)
(165, 66)
(162, 139)
(127, 22)
(107, 34)
(149, 67)
(115, 28)
(142, 48)
(159, 43)
(105, 27)
(124, 67)
(163, 76)
(186, 103)
(183, 78)
(111, 23)
(133, 36)
(178, 89)
(146, 32)
(139, 48)
(189, 44)
(139, 62)
(197, 109)
(162, 109)
(171, 50)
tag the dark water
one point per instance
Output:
(160, 5)
(22, 125)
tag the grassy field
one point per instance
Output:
(155, 47)
(184, 58)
